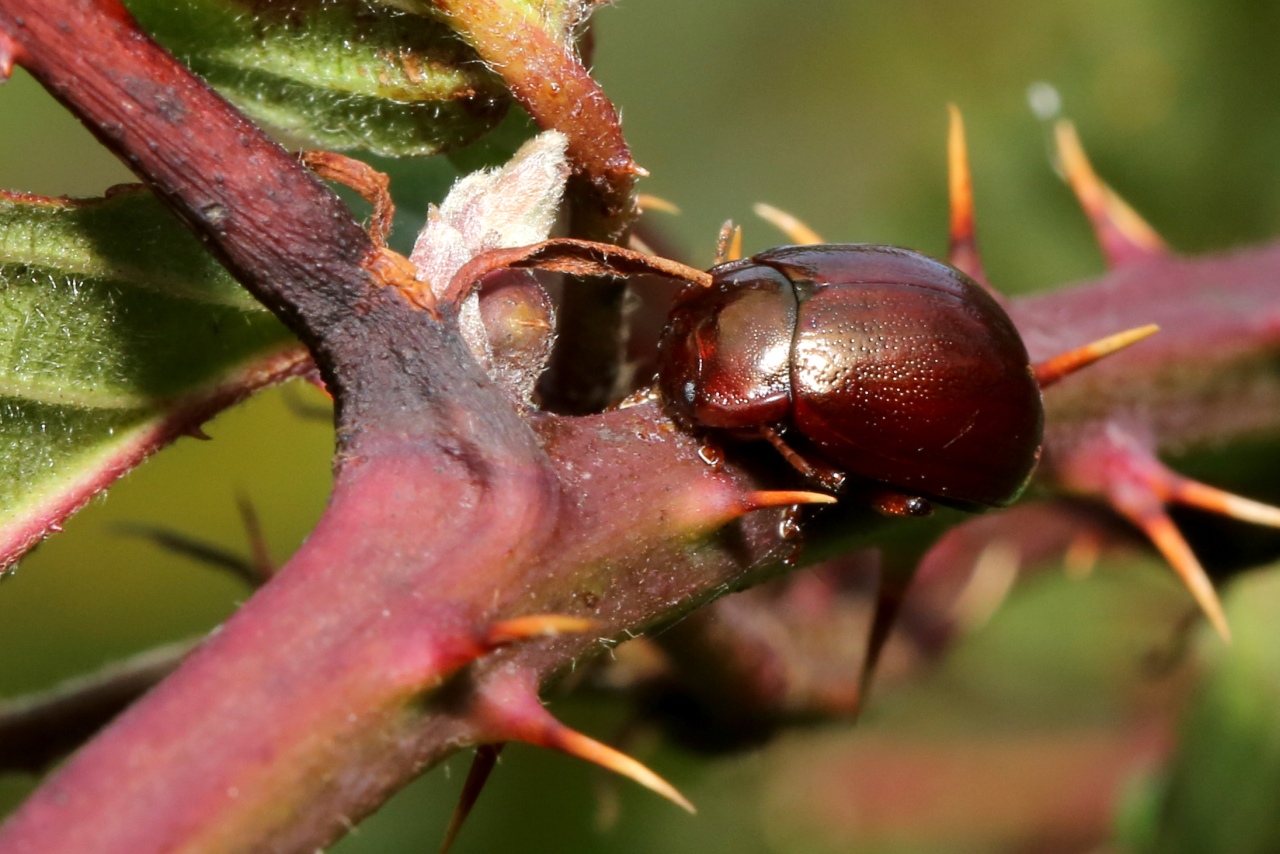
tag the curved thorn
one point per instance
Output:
(1169, 540)
(792, 226)
(535, 626)
(1138, 500)
(647, 202)
(963, 252)
(481, 766)
(1051, 370)
(1123, 235)
(562, 738)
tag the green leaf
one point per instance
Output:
(1224, 784)
(118, 332)
(337, 74)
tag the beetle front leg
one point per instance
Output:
(828, 477)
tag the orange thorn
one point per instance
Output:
(797, 231)
(1157, 525)
(560, 737)
(635, 243)
(735, 245)
(1082, 554)
(536, 626)
(763, 498)
(1122, 233)
(963, 252)
(647, 202)
(481, 766)
(1051, 370)
(1195, 494)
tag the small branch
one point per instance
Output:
(38, 730)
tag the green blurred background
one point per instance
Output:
(836, 112)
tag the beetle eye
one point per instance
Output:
(690, 391)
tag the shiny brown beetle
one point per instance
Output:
(889, 365)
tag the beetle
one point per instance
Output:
(888, 365)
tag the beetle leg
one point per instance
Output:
(889, 503)
(820, 473)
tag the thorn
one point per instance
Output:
(262, 564)
(963, 252)
(1157, 525)
(647, 202)
(1123, 235)
(1123, 469)
(482, 764)
(635, 243)
(535, 626)
(9, 52)
(797, 231)
(724, 242)
(508, 709)
(1081, 556)
(994, 574)
(1051, 370)
(557, 736)
(889, 596)
(197, 550)
(1192, 493)
(735, 244)
(762, 498)
(196, 431)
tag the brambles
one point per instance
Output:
(459, 508)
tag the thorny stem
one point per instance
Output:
(343, 677)
(328, 689)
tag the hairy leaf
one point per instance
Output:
(119, 332)
(337, 74)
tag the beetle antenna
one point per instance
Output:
(568, 255)
(796, 230)
(1051, 370)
